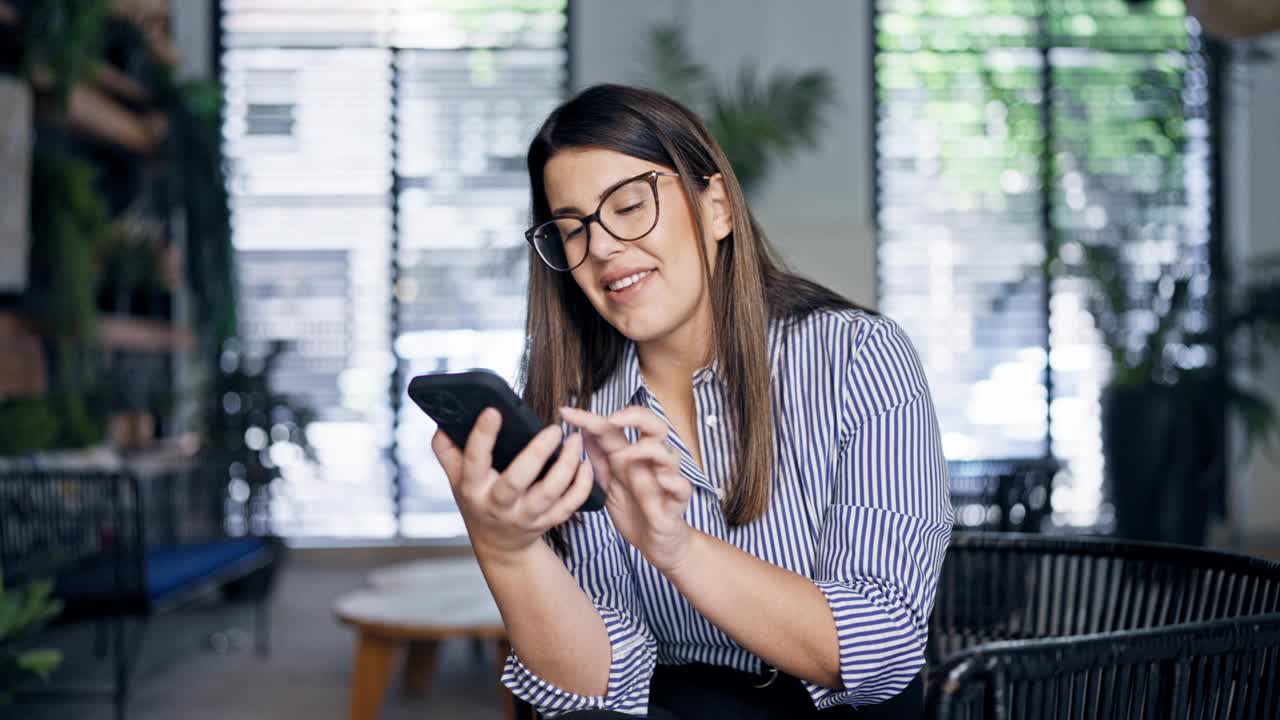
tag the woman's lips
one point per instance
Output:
(632, 291)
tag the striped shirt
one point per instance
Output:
(859, 504)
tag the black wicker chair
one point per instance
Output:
(121, 548)
(1034, 626)
(1216, 669)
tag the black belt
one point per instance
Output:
(701, 691)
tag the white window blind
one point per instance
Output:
(371, 140)
(1005, 128)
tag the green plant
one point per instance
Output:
(758, 120)
(68, 229)
(27, 424)
(1255, 321)
(1151, 352)
(248, 417)
(198, 184)
(24, 610)
(131, 257)
(62, 38)
(1139, 352)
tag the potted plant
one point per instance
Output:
(1165, 406)
(757, 120)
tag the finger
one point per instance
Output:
(598, 459)
(637, 479)
(643, 419)
(568, 504)
(655, 453)
(543, 494)
(449, 455)
(676, 485)
(524, 469)
(609, 436)
(651, 486)
(645, 489)
(478, 455)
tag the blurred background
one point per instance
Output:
(231, 231)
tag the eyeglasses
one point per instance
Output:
(628, 212)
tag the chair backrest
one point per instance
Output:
(997, 587)
(1216, 669)
(1010, 495)
(64, 524)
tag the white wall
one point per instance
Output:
(1253, 229)
(816, 208)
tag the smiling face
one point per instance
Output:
(650, 289)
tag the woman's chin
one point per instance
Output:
(640, 325)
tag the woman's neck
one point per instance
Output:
(668, 363)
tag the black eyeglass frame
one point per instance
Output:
(651, 176)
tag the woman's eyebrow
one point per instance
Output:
(571, 210)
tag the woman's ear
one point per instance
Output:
(717, 214)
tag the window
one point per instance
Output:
(1005, 127)
(378, 198)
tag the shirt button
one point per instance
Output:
(712, 420)
(719, 492)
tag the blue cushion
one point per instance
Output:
(179, 566)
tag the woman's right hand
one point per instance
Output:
(507, 513)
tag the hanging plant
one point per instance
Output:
(26, 425)
(61, 40)
(132, 259)
(198, 184)
(68, 229)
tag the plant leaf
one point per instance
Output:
(760, 120)
(9, 611)
(39, 607)
(40, 662)
(1168, 322)
(672, 69)
(1259, 416)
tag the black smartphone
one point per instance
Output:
(455, 401)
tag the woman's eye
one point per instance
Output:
(630, 208)
(573, 234)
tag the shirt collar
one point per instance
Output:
(627, 382)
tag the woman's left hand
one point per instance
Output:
(646, 496)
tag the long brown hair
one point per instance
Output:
(572, 351)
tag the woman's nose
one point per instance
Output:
(603, 245)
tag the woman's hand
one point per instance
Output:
(646, 496)
(507, 513)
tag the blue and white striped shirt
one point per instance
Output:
(859, 504)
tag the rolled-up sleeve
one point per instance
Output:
(598, 561)
(885, 533)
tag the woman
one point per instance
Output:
(777, 505)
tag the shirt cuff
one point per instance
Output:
(881, 650)
(634, 654)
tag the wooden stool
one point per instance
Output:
(439, 572)
(420, 615)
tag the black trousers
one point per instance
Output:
(697, 691)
